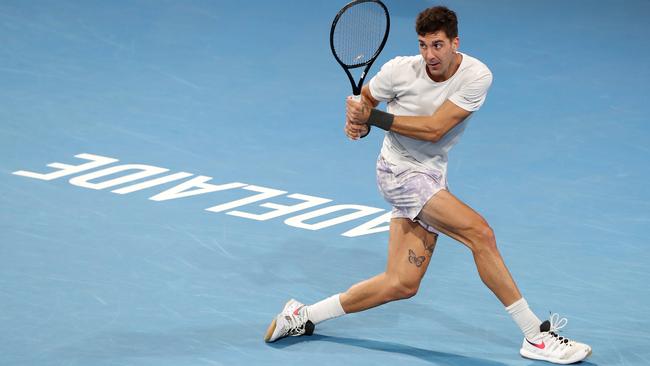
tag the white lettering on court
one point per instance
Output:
(152, 183)
(281, 210)
(193, 187)
(370, 227)
(65, 169)
(143, 172)
(361, 211)
(198, 185)
(266, 193)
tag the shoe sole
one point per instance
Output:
(524, 353)
(271, 328)
(269, 332)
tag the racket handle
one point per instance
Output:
(356, 98)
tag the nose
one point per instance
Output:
(430, 54)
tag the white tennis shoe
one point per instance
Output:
(551, 347)
(290, 322)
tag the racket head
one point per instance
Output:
(359, 33)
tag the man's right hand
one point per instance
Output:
(355, 131)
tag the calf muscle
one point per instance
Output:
(458, 221)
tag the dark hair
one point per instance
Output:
(437, 18)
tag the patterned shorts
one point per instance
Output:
(408, 190)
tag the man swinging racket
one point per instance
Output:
(430, 98)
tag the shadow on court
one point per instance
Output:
(434, 357)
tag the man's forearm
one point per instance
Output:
(427, 128)
(417, 127)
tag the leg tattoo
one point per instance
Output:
(415, 259)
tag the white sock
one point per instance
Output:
(525, 318)
(327, 309)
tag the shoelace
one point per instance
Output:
(558, 323)
(296, 324)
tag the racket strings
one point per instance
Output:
(359, 33)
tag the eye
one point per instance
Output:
(438, 46)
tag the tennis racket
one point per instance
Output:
(359, 33)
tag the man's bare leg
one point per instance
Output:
(410, 248)
(455, 219)
(409, 252)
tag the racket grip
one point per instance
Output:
(356, 98)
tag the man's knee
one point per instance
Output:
(483, 238)
(400, 288)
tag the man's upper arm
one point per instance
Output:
(448, 116)
(464, 102)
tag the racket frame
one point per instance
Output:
(356, 87)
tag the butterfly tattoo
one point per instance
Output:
(415, 259)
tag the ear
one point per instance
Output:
(455, 43)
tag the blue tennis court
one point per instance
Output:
(173, 172)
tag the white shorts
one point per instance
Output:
(408, 189)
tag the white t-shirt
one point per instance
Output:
(409, 91)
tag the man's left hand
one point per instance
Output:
(356, 112)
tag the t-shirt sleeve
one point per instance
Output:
(471, 95)
(381, 85)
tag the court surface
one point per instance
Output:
(243, 105)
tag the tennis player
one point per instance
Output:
(431, 97)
